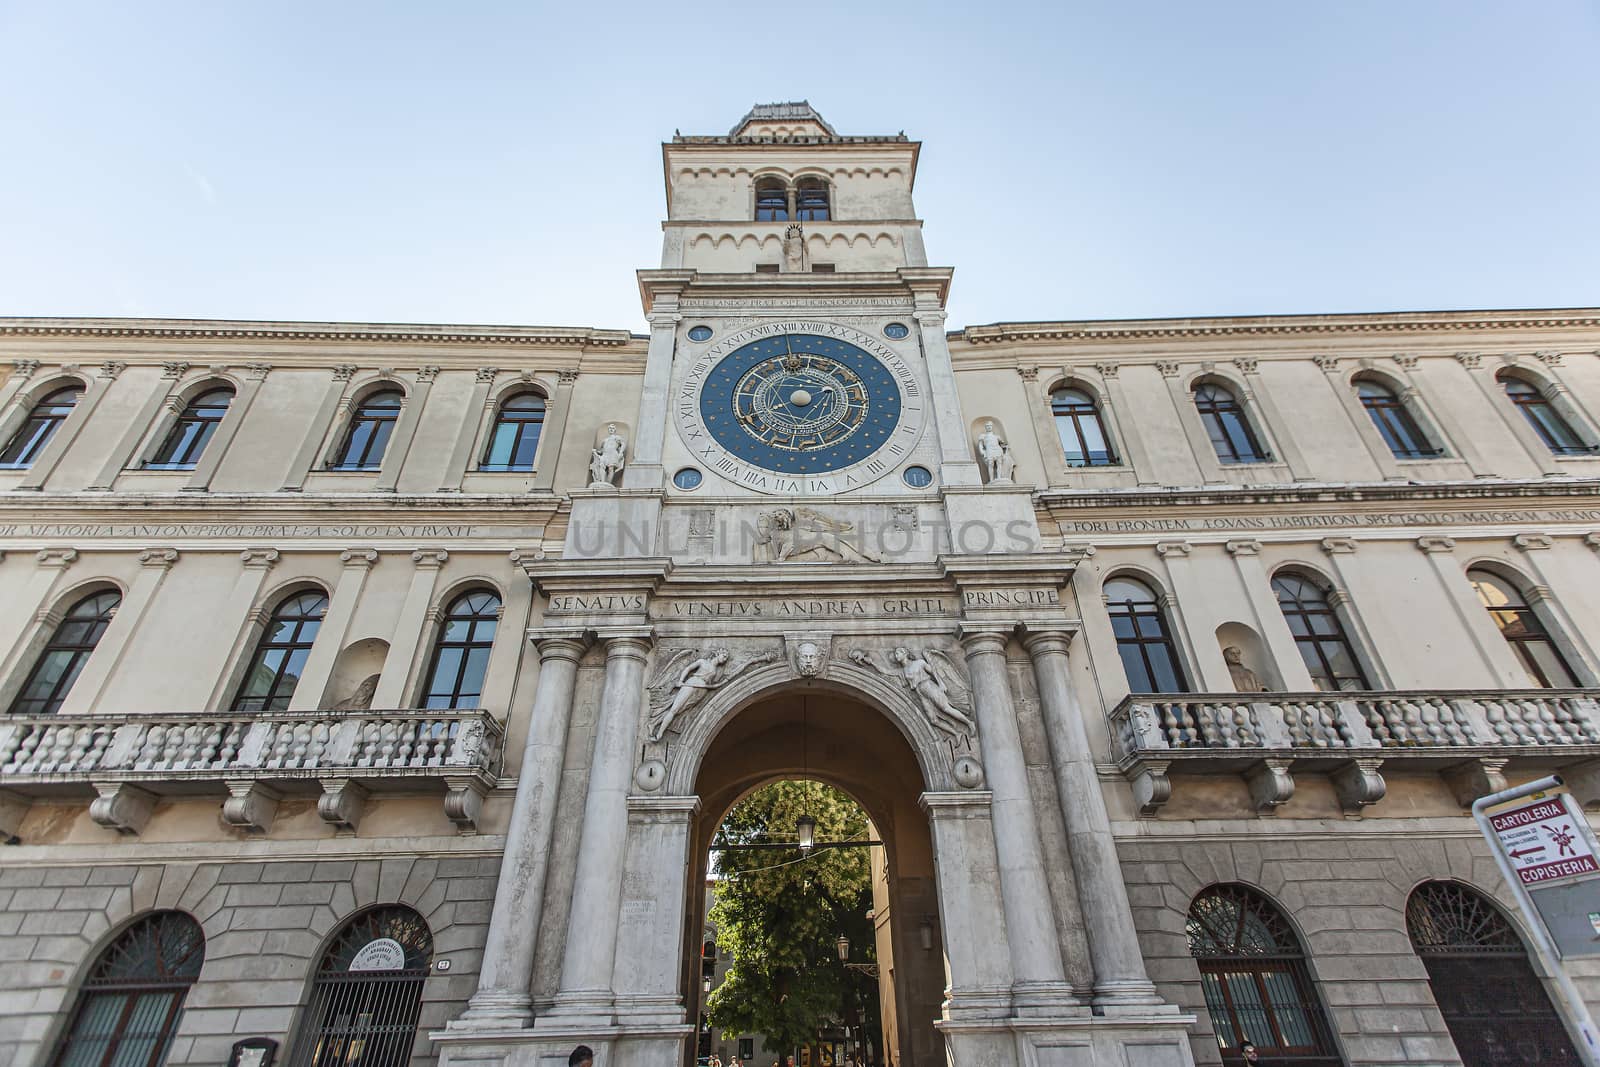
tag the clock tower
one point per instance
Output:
(797, 357)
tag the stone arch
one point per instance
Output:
(894, 702)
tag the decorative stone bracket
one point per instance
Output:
(1468, 737)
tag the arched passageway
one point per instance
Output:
(833, 738)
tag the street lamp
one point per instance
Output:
(843, 945)
(705, 985)
(805, 827)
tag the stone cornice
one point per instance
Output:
(1065, 500)
(1381, 322)
(381, 333)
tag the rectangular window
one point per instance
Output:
(822, 268)
(747, 1048)
(766, 268)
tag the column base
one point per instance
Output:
(976, 1005)
(577, 1009)
(1131, 993)
(494, 1009)
(1150, 1040)
(1045, 1000)
(635, 1046)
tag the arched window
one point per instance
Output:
(281, 655)
(1256, 983)
(1143, 640)
(1493, 1004)
(515, 438)
(1553, 430)
(1523, 630)
(368, 990)
(772, 200)
(1395, 424)
(192, 432)
(1318, 634)
(42, 423)
(369, 432)
(461, 656)
(128, 1009)
(811, 200)
(1226, 425)
(63, 658)
(1083, 437)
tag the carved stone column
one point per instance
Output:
(971, 913)
(1119, 974)
(1040, 980)
(205, 471)
(45, 464)
(394, 682)
(646, 973)
(312, 692)
(502, 999)
(644, 470)
(333, 398)
(405, 431)
(154, 563)
(585, 997)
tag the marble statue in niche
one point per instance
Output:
(1245, 680)
(684, 679)
(998, 463)
(936, 681)
(608, 460)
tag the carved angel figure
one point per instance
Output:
(935, 679)
(685, 679)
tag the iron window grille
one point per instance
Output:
(128, 1009)
(362, 1013)
(1256, 983)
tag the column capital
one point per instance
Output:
(174, 369)
(1406, 361)
(487, 374)
(359, 557)
(1326, 364)
(426, 558)
(1047, 642)
(24, 368)
(57, 558)
(967, 804)
(1436, 544)
(566, 376)
(1168, 368)
(1244, 547)
(1246, 364)
(568, 645)
(1592, 540)
(1173, 548)
(259, 558)
(158, 557)
(427, 374)
(1338, 546)
(343, 372)
(1549, 357)
(111, 368)
(1469, 360)
(625, 642)
(258, 372)
(1531, 542)
(978, 639)
(663, 809)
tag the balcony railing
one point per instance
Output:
(1469, 736)
(131, 760)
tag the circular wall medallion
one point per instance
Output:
(699, 333)
(967, 772)
(896, 330)
(650, 775)
(688, 478)
(800, 407)
(918, 477)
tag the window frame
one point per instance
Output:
(186, 455)
(1340, 635)
(1213, 416)
(331, 988)
(442, 644)
(1165, 637)
(43, 425)
(1392, 417)
(359, 417)
(1537, 399)
(79, 653)
(520, 431)
(812, 183)
(1074, 415)
(266, 644)
(771, 183)
(1541, 631)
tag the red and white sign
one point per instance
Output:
(1544, 840)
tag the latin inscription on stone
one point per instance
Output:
(1010, 598)
(1331, 520)
(804, 608)
(596, 604)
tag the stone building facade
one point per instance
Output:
(419, 663)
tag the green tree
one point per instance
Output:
(780, 915)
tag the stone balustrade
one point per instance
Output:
(131, 760)
(1469, 736)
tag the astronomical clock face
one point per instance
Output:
(800, 408)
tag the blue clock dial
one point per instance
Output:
(800, 403)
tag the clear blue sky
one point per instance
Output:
(499, 163)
